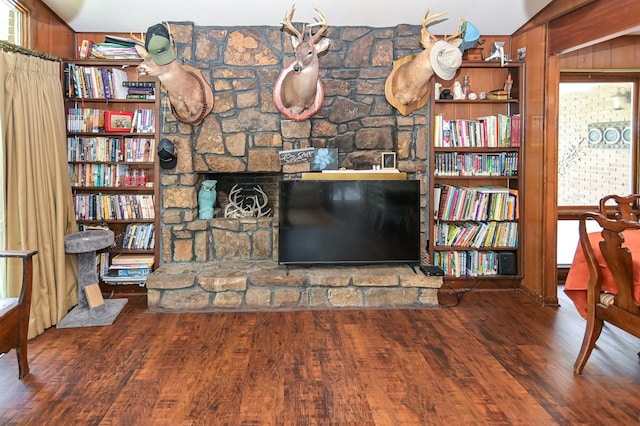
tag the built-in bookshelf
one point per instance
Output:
(475, 183)
(112, 134)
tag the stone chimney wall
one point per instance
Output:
(245, 132)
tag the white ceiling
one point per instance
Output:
(491, 17)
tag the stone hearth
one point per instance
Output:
(228, 264)
(265, 285)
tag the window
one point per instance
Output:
(597, 147)
(13, 22)
(595, 134)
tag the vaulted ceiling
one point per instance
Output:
(491, 17)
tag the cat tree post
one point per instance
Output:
(85, 244)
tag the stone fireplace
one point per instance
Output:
(232, 263)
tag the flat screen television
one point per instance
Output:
(349, 222)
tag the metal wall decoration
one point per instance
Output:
(609, 135)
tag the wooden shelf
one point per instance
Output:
(151, 168)
(484, 77)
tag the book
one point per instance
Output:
(128, 271)
(119, 77)
(122, 41)
(504, 130)
(437, 189)
(516, 126)
(133, 259)
(513, 212)
(140, 90)
(85, 48)
(106, 83)
(140, 96)
(132, 83)
(113, 278)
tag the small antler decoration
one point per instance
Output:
(246, 206)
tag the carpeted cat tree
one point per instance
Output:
(85, 244)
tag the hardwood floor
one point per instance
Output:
(496, 358)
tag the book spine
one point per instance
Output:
(133, 272)
(130, 83)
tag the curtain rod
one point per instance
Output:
(10, 47)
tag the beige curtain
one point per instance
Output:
(39, 206)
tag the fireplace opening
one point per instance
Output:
(244, 194)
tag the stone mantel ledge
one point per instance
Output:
(264, 285)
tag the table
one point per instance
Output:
(575, 286)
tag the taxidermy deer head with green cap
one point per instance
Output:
(190, 95)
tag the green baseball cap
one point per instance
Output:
(158, 44)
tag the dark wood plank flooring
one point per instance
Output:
(497, 358)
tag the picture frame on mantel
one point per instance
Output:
(388, 160)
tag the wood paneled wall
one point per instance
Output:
(619, 53)
(47, 32)
(537, 190)
(593, 23)
(541, 112)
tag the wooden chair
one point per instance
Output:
(620, 309)
(14, 313)
(623, 207)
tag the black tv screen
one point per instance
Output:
(347, 222)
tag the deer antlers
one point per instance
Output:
(426, 37)
(322, 22)
(137, 38)
(250, 206)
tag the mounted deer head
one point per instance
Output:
(298, 93)
(190, 96)
(408, 87)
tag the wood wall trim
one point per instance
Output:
(553, 10)
(594, 23)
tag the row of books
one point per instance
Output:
(144, 121)
(113, 47)
(483, 203)
(476, 234)
(137, 236)
(112, 51)
(476, 164)
(467, 263)
(489, 131)
(92, 120)
(107, 175)
(114, 206)
(90, 82)
(110, 149)
(94, 82)
(140, 89)
(125, 268)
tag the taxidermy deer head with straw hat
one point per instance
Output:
(408, 86)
